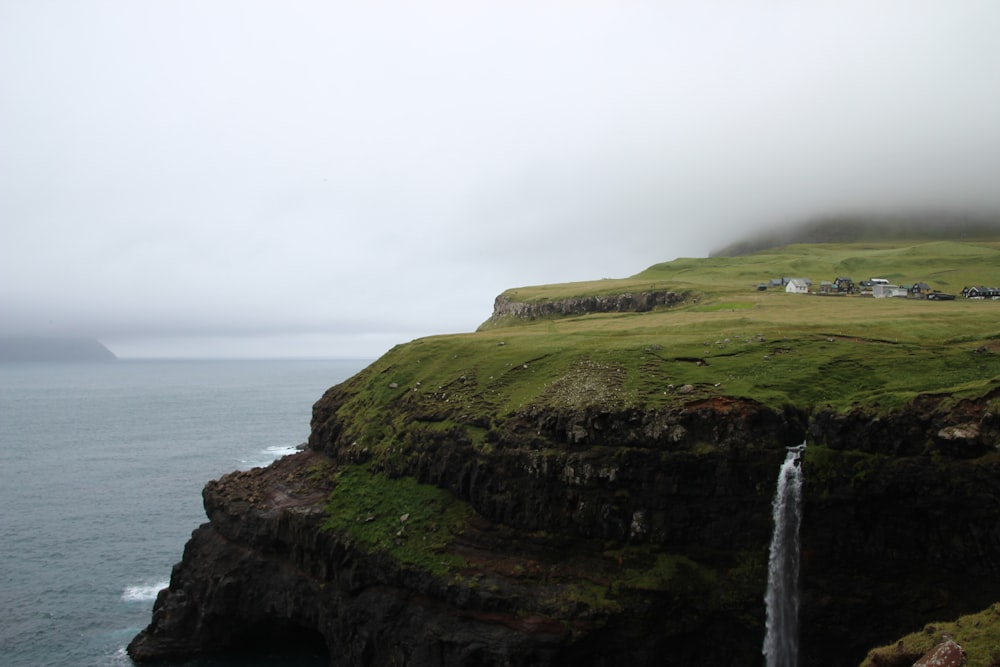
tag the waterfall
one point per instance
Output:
(781, 645)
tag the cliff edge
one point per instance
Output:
(595, 488)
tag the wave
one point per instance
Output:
(269, 455)
(143, 592)
(281, 450)
(121, 659)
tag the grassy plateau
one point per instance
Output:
(723, 338)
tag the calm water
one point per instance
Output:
(101, 471)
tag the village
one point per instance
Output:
(879, 288)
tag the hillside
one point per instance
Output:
(899, 229)
(587, 478)
(725, 337)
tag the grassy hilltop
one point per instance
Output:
(489, 422)
(727, 338)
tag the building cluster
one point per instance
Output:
(879, 288)
(980, 292)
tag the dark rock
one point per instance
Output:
(637, 302)
(900, 512)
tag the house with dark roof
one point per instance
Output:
(844, 284)
(980, 292)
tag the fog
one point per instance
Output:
(326, 179)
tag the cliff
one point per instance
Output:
(505, 306)
(639, 547)
(596, 490)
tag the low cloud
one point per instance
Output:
(178, 173)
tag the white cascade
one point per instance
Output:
(781, 644)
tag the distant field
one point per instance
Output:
(945, 265)
(729, 338)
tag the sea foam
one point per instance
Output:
(281, 450)
(143, 592)
(269, 455)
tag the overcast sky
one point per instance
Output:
(327, 178)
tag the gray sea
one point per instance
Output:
(101, 471)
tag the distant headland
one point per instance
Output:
(53, 348)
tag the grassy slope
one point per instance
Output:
(978, 634)
(728, 338)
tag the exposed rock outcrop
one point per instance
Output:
(264, 574)
(504, 306)
(593, 537)
(969, 639)
(946, 654)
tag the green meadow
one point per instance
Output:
(724, 338)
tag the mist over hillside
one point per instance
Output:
(855, 228)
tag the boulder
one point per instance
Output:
(946, 654)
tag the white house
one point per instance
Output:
(797, 286)
(882, 291)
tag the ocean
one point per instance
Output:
(101, 471)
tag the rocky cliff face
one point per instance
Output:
(591, 536)
(631, 302)
(263, 574)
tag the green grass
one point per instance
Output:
(789, 350)
(644, 568)
(417, 525)
(723, 306)
(725, 339)
(946, 265)
(770, 346)
(978, 634)
(412, 523)
(730, 340)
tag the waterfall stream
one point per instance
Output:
(781, 644)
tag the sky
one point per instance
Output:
(324, 178)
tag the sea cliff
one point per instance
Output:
(595, 488)
(646, 544)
